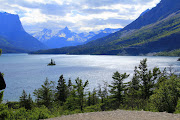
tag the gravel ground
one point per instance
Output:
(120, 115)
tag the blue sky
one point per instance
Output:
(78, 15)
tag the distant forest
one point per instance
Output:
(149, 90)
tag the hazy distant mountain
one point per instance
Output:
(63, 38)
(14, 36)
(156, 30)
(102, 33)
(66, 37)
(43, 35)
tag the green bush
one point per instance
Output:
(93, 108)
(39, 113)
(166, 96)
(178, 107)
(14, 105)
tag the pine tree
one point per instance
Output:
(29, 102)
(25, 101)
(100, 93)
(69, 87)
(133, 93)
(89, 99)
(94, 97)
(62, 90)
(45, 94)
(80, 87)
(117, 87)
(147, 78)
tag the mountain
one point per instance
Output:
(43, 35)
(155, 31)
(102, 33)
(63, 38)
(66, 37)
(14, 36)
(144, 12)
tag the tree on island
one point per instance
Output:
(52, 62)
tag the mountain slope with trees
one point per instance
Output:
(155, 31)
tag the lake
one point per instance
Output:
(28, 72)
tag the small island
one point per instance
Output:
(51, 63)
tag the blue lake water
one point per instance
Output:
(28, 72)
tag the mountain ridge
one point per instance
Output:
(66, 37)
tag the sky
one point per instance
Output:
(77, 15)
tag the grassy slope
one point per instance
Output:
(175, 52)
(9, 48)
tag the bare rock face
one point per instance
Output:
(10, 23)
(2, 82)
(12, 29)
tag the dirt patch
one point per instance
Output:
(121, 115)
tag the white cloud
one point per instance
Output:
(100, 27)
(79, 15)
(62, 35)
(34, 17)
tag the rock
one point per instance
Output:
(2, 82)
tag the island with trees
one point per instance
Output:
(51, 63)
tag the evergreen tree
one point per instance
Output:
(147, 79)
(45, 94)
(29, 102)
(25, 101)
(89, 99)
(62, 91)
(117, 88)
(69, 87)
(103, 95)
(100, 93)
(135, 80)
(72, 102)
(143, 74)
(94, 97)
(133, 94)
(80, 87)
